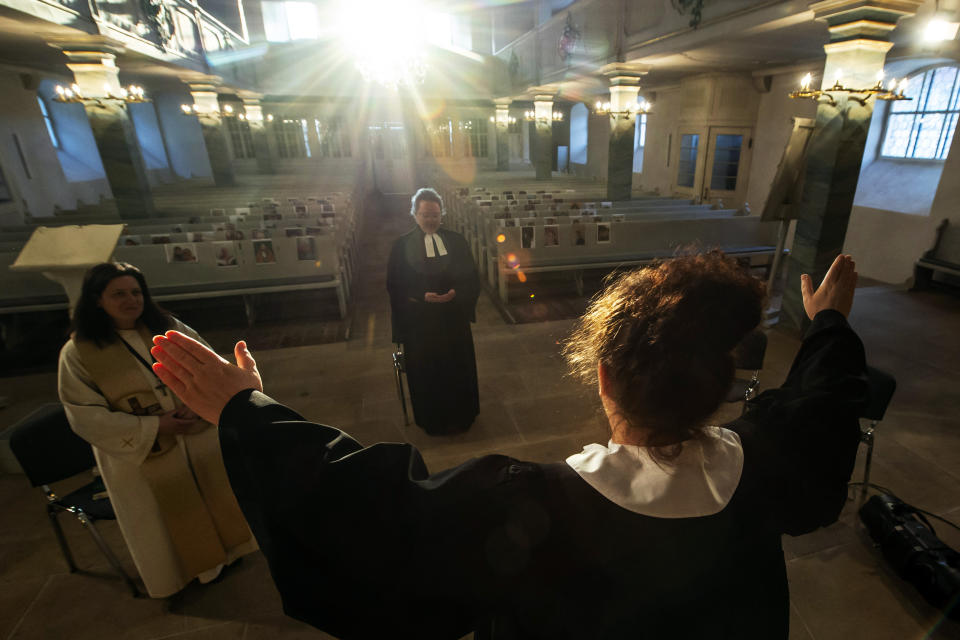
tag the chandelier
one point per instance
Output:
(893, 90)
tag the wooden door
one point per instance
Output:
(727, 166)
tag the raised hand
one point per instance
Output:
(836, 290)
(202, 379)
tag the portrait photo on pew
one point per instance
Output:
(527, 237)
(263, 252)
(603, 233)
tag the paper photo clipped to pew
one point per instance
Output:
(527, 240)
(603, 233)
(181, 252)
(226, 253)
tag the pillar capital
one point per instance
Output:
(95, 71)
(624, 72)
(862, 19)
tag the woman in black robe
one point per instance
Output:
(433, 288)
(671, 530)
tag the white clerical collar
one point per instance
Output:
(700, 482)
(429, 239)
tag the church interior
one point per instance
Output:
(256, 160)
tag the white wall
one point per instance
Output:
(183, 137)
(78, 154)
(579, 119)
(150, 140)
(772, 132)
(47, 188)
(662, 122)
(598, 148)
(899, 204)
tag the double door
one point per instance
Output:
(712, 164)
(390, 157)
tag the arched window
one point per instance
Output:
(923, 127)
(579, 128)
(49, 122)
(639, 142)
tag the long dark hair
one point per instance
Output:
(91, 322)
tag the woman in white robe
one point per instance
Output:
(161, 464)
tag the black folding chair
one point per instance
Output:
(399, 369)
(748, 355)
(882, 387)
(49, 451)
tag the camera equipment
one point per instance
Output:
(910, 545)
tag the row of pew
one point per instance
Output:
(278, 244)
(515, 231)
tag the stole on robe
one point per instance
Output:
(189, 492)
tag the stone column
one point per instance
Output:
(624, 87)
(859, 34)
(96, 75)
(543, 136)
(502, 124)
(207, 107)
(262, 142)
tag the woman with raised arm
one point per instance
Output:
(433, 289)
(670, 530)
(160, 462)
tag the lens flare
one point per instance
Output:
(521, 276)
(501, 238)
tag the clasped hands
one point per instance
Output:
(429, 296)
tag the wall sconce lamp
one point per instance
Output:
(632, 111)
(894, 90)
(132, 93)
(503, 120)
(556, 116)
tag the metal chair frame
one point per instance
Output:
(48, 451)
(751, 351)
(882, 387)
(399, 369)
(54, 509)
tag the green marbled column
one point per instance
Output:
(834, 156)
(262, 148)
(121, 156)
(620, 163)
(218, 150)
(503, 148)
(543, 149)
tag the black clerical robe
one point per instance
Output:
(437, 342)
(366, 543)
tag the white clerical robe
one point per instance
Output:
(121, 443)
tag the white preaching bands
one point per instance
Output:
(428, 240)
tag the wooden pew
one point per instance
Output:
(631, 243)
(204, 279)
(943, 257)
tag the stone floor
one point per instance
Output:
(840, 587)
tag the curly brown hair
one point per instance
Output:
(665, 334)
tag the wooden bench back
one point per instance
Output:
(160, 273)
(653, 238)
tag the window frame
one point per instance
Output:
(890, 112)
(48, 120)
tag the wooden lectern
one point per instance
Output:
(64, 254)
